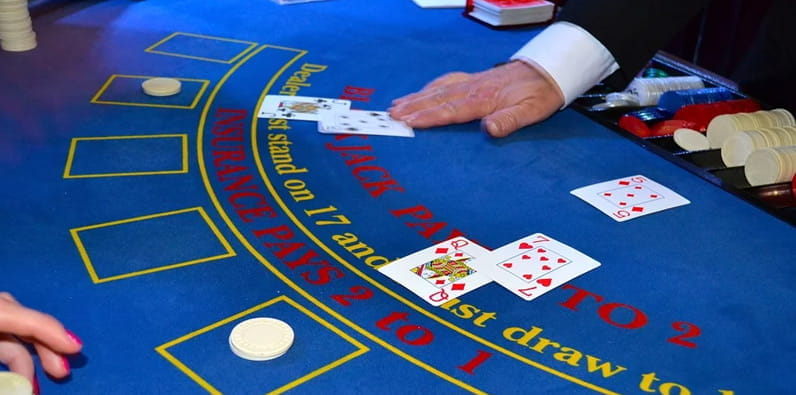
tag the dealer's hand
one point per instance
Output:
(505, 98)
(20, 324)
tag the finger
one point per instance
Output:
(39, 327)
(55, 364)
(453, 111)
(448, 79)
(435, 100)
(8, 297)
(424, 97)
(444, 80)
(16, 357)
(507, 121)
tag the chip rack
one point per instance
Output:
(706, 164)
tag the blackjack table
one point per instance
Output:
(151, 226)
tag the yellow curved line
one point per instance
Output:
(262, 259)
(331, 253)
(388, 291)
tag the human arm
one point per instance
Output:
(565, 60)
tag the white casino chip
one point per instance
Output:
(161, 86)
(261, 339)
(691, 140)
(14, 384)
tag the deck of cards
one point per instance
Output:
(512, 12)
(334, 116)
(528, 267)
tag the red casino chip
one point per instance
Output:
(702, 114)
(667, 128)
(635, 126)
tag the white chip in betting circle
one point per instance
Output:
(161, 86)
(261, 339)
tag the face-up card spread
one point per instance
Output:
(534, 265)
(302, 108)
(630, 197)
(441, 272)
(378, 123)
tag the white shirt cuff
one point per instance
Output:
(571, 56)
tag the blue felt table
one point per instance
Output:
(151, 226)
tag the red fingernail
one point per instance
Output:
(66, 364)
(74, 337)
(35, 385)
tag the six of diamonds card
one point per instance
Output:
(630, 197)
(441, 272)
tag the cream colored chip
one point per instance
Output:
(14, 384)
(261, 339)
(161, 86)
(691, 140)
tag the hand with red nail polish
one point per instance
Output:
(19, 325)
(505, 98)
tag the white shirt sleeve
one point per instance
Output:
(571, 56)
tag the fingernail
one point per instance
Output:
(485, 127)
(36, 390)
(74, 337)
(65, 362)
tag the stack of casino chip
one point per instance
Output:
(686, 123)
(737, 148)
(512, 12)
(701, 114)
(771, 166)
(724, 126)
(16, 27)
(692, 138)
(672, 101)
(647, 91)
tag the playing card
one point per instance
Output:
(533, 265)
(377, 123)
(441, 272)
(302, 108)
(629, 197)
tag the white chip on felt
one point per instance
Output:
(161, 86)
(14, 384)
(261, 339)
